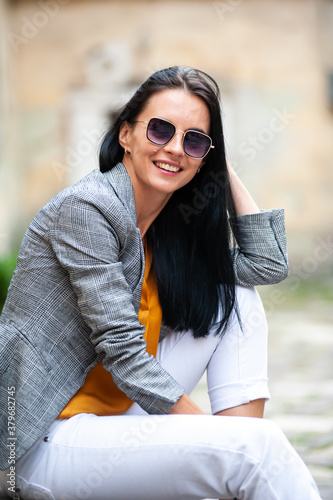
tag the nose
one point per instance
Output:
(175, 146)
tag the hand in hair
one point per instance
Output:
(244, 203)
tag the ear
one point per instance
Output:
(125, 135)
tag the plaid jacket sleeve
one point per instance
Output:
(90, 248)
(261, 257)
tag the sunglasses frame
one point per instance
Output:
(177, 130)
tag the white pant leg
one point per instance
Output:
(236, 363)
(237, 370)
(173, 457)
(185, 358)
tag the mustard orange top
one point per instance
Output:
(99, 394)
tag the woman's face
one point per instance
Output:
(148, 164)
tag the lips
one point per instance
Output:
(167, 166)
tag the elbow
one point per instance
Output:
(261, 272)
(277, 273)
(263, 275)
(285, 272)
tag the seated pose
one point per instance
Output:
(128, 286)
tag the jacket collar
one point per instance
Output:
(123, 187)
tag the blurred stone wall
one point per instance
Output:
(67, 65)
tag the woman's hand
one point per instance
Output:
(244, 203)
(186, 406)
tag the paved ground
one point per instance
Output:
(301, 384)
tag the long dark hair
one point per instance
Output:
(191, 236)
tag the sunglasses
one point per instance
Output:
(160, 132)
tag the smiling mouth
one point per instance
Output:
(166, 166)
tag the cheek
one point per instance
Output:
(145, 149)
(195, 166)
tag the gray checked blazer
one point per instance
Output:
(74, 299)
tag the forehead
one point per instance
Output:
(182, 108)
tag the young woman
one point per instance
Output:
(126, 290)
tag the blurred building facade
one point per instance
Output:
(68, 65)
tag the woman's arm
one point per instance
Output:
(244, 203)
(185, 406)
(88, 236)
(261, 256)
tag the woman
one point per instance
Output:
(102, 402)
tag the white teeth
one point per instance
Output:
(166, 166)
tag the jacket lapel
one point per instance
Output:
(122, 185)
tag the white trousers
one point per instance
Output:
(136, 456)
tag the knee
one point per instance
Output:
(275, 443)
(270, 430)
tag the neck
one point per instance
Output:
(148, 203)
(147, 209)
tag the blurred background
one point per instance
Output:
(67, 65)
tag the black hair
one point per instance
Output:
(191, 236)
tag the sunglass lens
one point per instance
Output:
(159, 131)
(196, 144)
